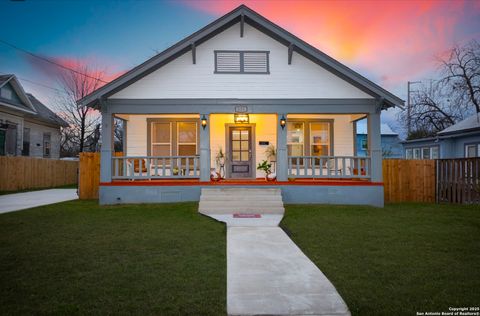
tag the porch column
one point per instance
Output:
(282, 160)
(106, 149)
(375, 146)
(205, 150)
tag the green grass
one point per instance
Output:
(66, 186)
(396, 260)
(80, 258)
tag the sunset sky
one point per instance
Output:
(389, 42)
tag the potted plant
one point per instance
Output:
(175, 171)
(267, 168)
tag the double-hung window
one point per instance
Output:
(309, 138)
(472, 150)
(241, 62)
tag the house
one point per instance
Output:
(391, 144)
(27, 127)
(461, 140)
(235, 87)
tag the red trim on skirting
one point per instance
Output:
(189, 182)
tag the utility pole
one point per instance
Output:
(409, 124)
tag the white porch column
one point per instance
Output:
(375, 146)
(282, 160)
(205, 150)
(106, 149)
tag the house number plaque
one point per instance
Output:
(241, 109)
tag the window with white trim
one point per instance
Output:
(242, 62)
(472, 150)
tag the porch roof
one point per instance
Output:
(242, 14)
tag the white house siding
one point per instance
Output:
(36, 139)
(182, 79)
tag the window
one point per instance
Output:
(295, 138)
(430, 152)
(242, 62)
(26, 142)
(46, 145)
(309, 138)
(11, 139)
(6, 92)
(320, 139)
(161, 143)
(426, 153)
(171, 137)
(472, 150)
(409, 153)
(187, 138)
(364, 144)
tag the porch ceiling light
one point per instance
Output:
(241, 118)
(283, 121)
(204, 121)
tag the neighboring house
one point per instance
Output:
(391, 143)
(461, 140)
(239, 85)
(27, 127)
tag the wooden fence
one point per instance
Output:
(22, 173)
(89, 176)
(458, 180)
(409, 180)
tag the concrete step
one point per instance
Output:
(237, 203)
(241, 191)
(241, 200)
(228, 198)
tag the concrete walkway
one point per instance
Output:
(267, 274)
(20, 201)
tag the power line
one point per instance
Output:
(37, 83)
(49, 61)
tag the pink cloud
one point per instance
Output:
(395, 40)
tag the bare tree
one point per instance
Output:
(450, 99)
(461, 72)
(83, 121)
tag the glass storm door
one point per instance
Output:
(240, 155)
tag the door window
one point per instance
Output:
(240, 145)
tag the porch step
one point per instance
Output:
(241, 201)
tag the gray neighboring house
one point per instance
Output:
(461, 140)
(27, 127)
(391, 143)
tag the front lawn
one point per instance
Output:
(397, 260)
(80, 258)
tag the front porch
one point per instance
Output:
(219, 147)
(171, 156)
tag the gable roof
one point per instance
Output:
(26, 105)
(33, 108)
(45, 114)
(471, 123)
(247, 15)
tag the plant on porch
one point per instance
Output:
(267, 168)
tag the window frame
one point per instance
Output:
(49, 147)
(306, 133)
(173, 133)
(241, 56)
(303, 131)
(466, 145)
(26, 142)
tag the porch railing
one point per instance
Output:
(343, 167)
(155, 167)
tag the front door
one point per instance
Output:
(240, 152)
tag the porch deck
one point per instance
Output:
(243, 182)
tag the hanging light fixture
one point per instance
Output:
(241, 118)
(283, 121)
(204, 121)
